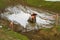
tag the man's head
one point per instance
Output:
(33, 14)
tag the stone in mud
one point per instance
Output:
(0, 27)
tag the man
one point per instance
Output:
(31, 23)
(32, 19)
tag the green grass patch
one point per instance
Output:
(46, 29)
(52, 6)
(17, 35)
(58, 28)
(6, 34)
(3, 3)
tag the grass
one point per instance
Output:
(51, 6)
(11, 35)
(6, 3)
(3, 3)
(58, 28)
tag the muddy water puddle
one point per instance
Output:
(20, 14)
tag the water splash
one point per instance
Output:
(21, 14)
